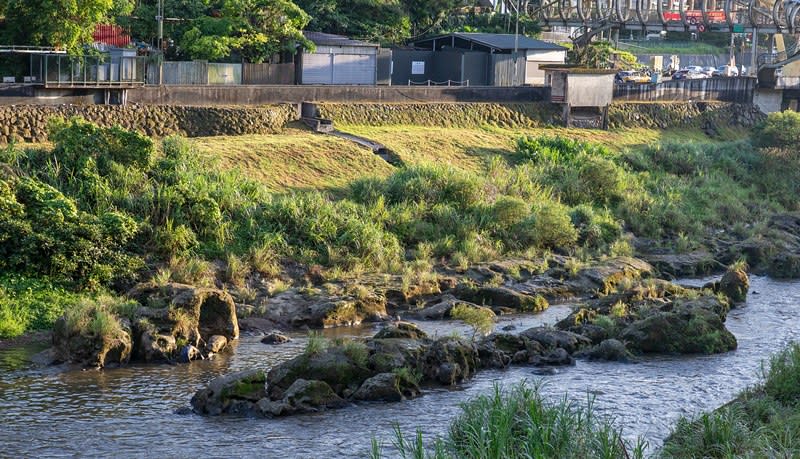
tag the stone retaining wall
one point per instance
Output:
(708, 116)
(444, 114)
(701, 115)
(29, 122)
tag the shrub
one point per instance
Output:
(779, 130)
(481, 320)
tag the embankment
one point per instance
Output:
(29, 122)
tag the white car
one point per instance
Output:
(726, 71)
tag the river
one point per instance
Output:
(131, 412)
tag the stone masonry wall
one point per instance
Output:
(29, 122)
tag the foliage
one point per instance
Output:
(778, 130)
(383, 21)
(66, 24)
(31, 304)
(481, 320)
(519, 422)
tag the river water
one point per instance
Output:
(130, 412)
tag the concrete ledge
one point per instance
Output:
(260, 95)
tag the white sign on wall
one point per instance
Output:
(417, 67)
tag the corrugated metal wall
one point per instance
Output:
(268, 73)
(185, 73)
(503, 65)
(325, 68)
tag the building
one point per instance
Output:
(338, 60)
(485, 59)
(583, 93)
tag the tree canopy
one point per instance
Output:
(65, 24)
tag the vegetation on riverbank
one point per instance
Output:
(761, 422)
(106, 208)
(518, 422)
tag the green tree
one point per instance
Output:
(264, 28)
(61, 23)
(384, 21)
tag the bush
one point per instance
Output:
(779, 130)
(481, 320)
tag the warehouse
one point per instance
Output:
(338, 60)
(497, 68)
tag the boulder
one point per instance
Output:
(500, 298)
(341, 313)
(183, 309)
(694, 263)
(405, 330)
(688, 328)
(90, 350)
(389, 354)
(735, 284)
(449, 361)
(216, 344)
(275, 338)
(229, 394)
(441, 310)
(189, 353)
(334, 366)
(605, 275)
(553, 357)
(153, 347)
(550, 338)
(610, 349)
(312, 395)
(388, 387)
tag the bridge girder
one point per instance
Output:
(767, 16)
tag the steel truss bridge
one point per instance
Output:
(762, 16)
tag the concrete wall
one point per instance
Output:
(29, 122)
(261, 95)
(589, 90)
(768, 100)
(720, 89)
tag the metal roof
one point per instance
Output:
(328, 39)
(499, 41)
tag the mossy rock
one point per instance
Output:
(332, 366)
(402, 330)
(687, 329)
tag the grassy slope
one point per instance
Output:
(299, 160)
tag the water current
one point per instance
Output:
(131, 412)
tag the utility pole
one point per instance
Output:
(516, 47)
(160, 21)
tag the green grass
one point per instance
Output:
(100, 205)
(520, 423)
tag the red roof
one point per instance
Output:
(111, 35)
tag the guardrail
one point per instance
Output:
(438, 83)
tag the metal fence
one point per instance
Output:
(87, 71)
(268, 73)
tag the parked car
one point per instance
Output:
(708, 70)
(631, 76)
(726, 71)
(687, 74)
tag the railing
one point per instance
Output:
(31, 49)
(439, 83)
(88, 71)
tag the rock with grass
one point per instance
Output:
(404, 330)
(610, 350)
(235, 393)
(387, 387)
(550, 338)
(684, 327)
(92, 338)
(449, 361)
(500, 299)
(344, 368)
(605, 275)
(735, 284)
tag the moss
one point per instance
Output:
(247, 387)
